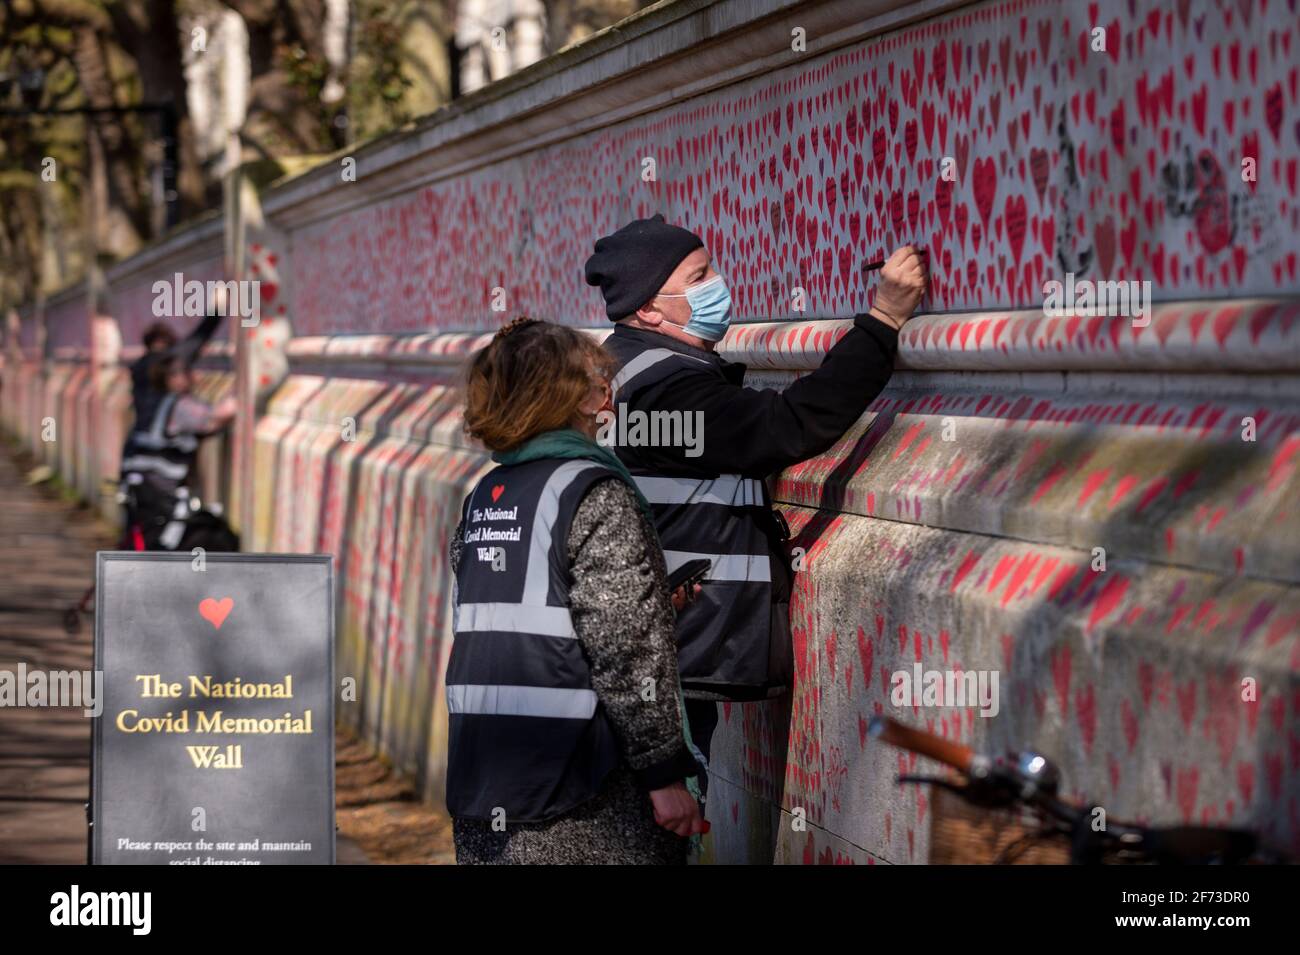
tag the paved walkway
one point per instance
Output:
(47, 560)
(47, 553)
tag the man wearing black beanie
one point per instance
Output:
(709, 499)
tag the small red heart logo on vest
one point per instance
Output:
(497, 492)
(216, 611)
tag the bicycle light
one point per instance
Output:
(1038, 772)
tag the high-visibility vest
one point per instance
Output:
(165, 461)
(733, 640)
(528, 739)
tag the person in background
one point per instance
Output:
(710, 499)
(566, 738)
(159, 342)
(160, 479)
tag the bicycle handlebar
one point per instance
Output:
(1180, 844)
(894, 733)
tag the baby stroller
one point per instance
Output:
(161, 520)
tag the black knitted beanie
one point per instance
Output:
(632, 264)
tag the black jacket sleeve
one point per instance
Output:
(140, 377)
(758, 432)
(188, 350)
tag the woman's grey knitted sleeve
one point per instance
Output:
(454, 547)
(624, 618)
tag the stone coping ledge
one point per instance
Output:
(1237, 335)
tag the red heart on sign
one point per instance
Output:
(216, 611)
(497, 492)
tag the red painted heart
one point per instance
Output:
(985, 187)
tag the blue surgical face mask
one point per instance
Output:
(710, 303)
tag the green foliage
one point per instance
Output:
(377, 82)
(380, 42)
(306, 72)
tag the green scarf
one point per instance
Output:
(571, 443)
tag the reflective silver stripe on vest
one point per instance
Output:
(532, 614)
(156, 437)
(646, 359)
(147, 463)
(543, 701)
(515, 618)
(181, 442)
(537, 580)
(745, 567)
(730, 489)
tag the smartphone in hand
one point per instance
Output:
(690, 573)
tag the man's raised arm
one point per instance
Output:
(758, 432)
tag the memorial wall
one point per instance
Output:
(1099, 511)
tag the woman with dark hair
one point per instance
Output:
(567, 739)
